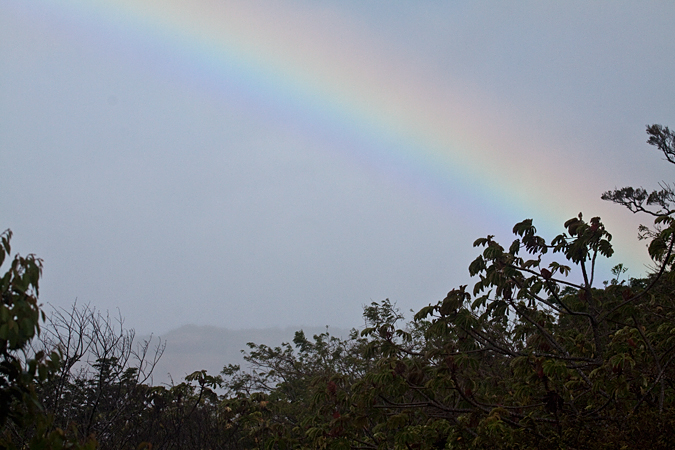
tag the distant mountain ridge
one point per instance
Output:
(193, 347)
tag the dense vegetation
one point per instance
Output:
(528, 358)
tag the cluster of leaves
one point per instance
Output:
(24, 422)
(535, 356)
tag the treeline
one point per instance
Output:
(534, 356)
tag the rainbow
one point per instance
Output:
(434, 136)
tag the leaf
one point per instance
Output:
(480, 242)
(477, 266)
(524, 227)
(421, 314)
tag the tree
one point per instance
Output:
(19, 316)
(289, 382)
(103, 379)
(657, 203)
(22, 417)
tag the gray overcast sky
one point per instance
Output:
(255, 164)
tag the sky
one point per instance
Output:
(252, 164)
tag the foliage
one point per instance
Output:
(22, 417)
(291, 380)
(657, 203)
